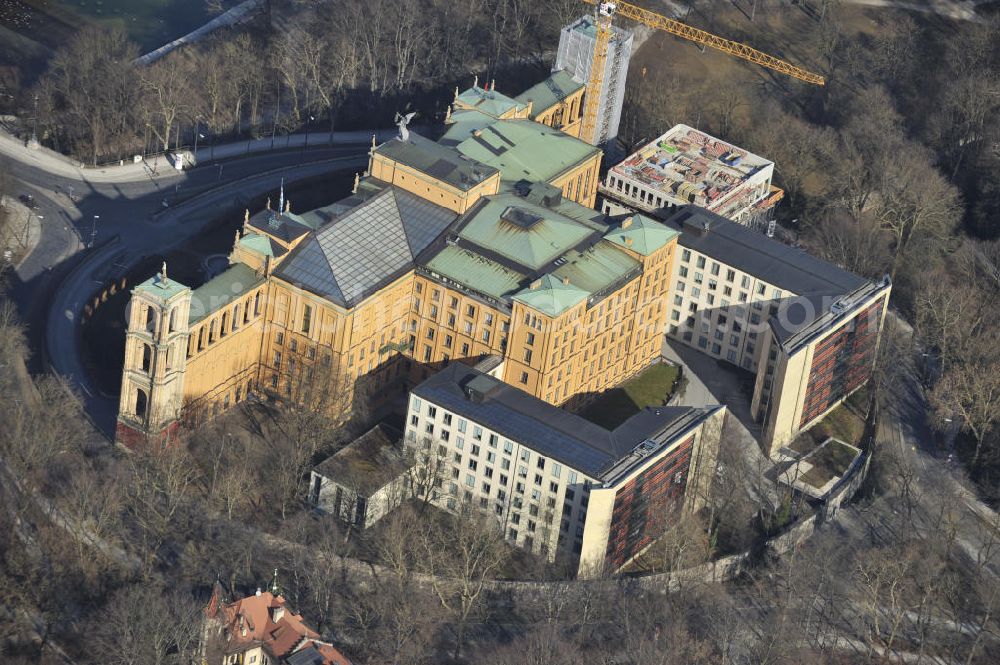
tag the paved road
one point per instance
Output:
(123, 206)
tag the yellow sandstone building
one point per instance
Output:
(482, 244)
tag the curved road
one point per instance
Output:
(122, 208)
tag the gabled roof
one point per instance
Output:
(250, 621)
(366, 247)
(551, 295)
(222, 289)
(490, 102)
(262, 245)
(439, 161)
(368, 463)
(475, 271)
(285, 226)
(597, 268)
(642, 235)
(549, 92)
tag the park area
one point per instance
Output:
(652, 387)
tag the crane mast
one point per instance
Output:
(592, 102)
(606, 11)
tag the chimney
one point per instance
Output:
(627, 223)
(258, 592)
(277, 613)
(535, 284)
(565, 281)
(628, 242)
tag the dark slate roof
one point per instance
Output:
(439, 161)
(368, 463)
(783, 266)
(363, 249)
(282, 226)
(307, 656)
(553, 432)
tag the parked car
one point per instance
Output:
(29, 200)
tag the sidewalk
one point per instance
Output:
(62, 166)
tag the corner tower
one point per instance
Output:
(155, 357)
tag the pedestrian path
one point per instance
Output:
(159, 166)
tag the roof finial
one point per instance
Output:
(288, 205)
(163, 272)
(237, 236)
(275, 589)
(246, 215)
(447, 114)
(493, 85)
(357, 181)
(475, 80)
(456, 93)
(269, 203)
(281, 200)
(373, 141)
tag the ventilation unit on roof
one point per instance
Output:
(646, 448)
(840, 306)
(520, 217)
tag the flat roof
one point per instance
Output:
(553, 432)
(689, 166)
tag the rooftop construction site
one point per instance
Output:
(688, 166)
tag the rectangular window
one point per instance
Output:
(477, 432)
(306, 318)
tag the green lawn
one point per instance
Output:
(829, 461)
(650, 388)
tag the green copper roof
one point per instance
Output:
(463, 123)
(596, 268)
(255, 242)
(524, 232)
(551, 296)
(526, 150)
(165, 290)
(222, 290)
(490, 102)
(475, 271)
(552, 90)
(646, 235)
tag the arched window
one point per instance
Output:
(147, 358)
(246, 311)
(150, 319)
(140, 403)
(256, 304)
(236, 316)
(211, 331)
(201, 338)
(224, 325)
(173, 320)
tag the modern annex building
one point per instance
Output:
(560, 485)
(806, 328)
(482, 243)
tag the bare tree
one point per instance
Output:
(461, 555)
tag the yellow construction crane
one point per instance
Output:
(608, 10)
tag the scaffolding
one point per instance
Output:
(577, 43)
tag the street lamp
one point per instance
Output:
(93, 230)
